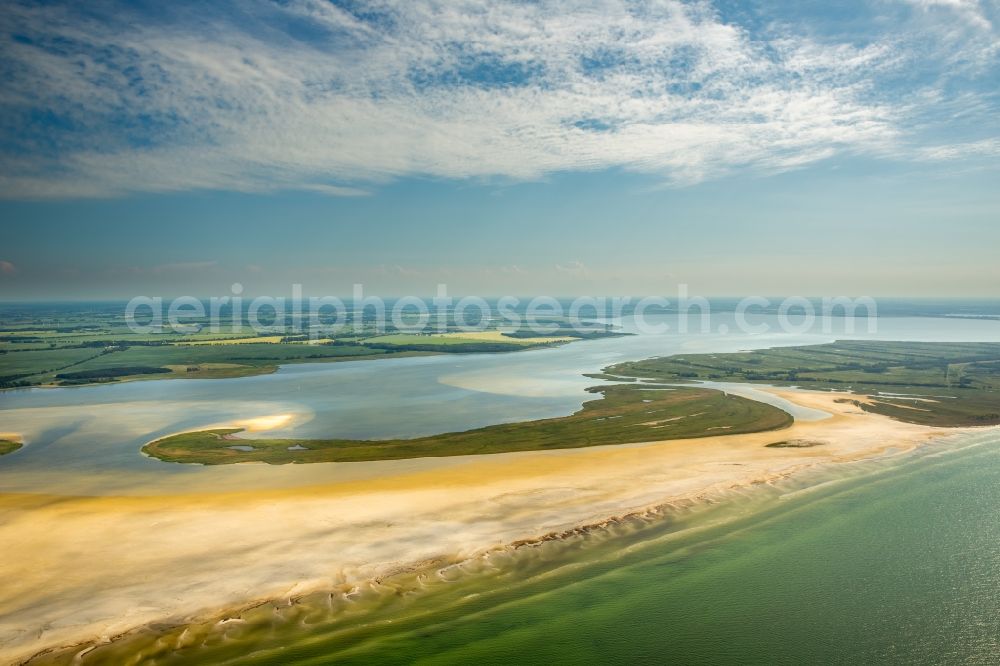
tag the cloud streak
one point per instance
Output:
(319, 96)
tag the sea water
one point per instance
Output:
(888, 561)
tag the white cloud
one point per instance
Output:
(970, 10)
(989, 148)
(662, 88)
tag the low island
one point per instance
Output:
(625, 414)
(938, 384)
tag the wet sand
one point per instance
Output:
(82, 568)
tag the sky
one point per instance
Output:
(565, 148)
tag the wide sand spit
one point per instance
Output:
(78, 569)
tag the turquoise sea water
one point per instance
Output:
(890, 561)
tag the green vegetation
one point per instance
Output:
(84, 343)
(408, 339)
(625, 414)
(26, 368)
(19, 365)
(118, 371)
(564, 329)
(448, 344)
(793, 444)
(8, 446)
(933, 383)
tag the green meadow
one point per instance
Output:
(932, 383)
(624, 414)
(75, 345)
(8, 446)
(943, 384)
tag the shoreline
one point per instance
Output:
(621, 414)
(647, 516)
(372, 528)
(259, 370)
(241, 370)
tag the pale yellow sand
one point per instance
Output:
(78, 568)
(264, 423)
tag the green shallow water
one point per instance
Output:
(888, 561)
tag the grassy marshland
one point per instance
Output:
(625, 414)
(8, 446)
(931, 383)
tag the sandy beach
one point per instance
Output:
(83, 568)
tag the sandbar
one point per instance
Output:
(79, 569)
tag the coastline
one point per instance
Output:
(254, 371)
(228, 370)
(265, 544)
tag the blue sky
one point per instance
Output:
(558, 147)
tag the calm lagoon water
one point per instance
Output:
(87, 439)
